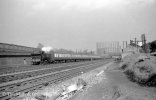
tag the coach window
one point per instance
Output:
(1, 46)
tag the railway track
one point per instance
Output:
(28, 74)
(9, 70)
(41, 81)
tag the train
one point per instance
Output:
(57, 57)
(36, 56)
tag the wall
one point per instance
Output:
(14, 61)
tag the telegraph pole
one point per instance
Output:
(135, 42)
(143, 38)
(126, 44)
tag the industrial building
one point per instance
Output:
(14, 55)
(108, 48)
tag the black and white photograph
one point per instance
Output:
(77, 49)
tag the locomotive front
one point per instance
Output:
(45, 55)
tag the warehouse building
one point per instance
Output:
(15, 55)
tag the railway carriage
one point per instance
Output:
(55, 57)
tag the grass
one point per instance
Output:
(141, 71)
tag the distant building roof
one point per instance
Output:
(4, 47)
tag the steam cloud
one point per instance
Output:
(47, 49)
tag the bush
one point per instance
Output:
(150, 81)
(124, 66)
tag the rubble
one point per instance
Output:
(71, 90)
(101, 72)
(41, 97)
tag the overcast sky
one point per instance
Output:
(75, 24)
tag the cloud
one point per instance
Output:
(36, 6)
(84, 5)
(39, 6)
(99, 4)
(90, 4)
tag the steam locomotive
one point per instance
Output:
(55, 57)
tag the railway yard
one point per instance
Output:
(15, 80)
(89, 80)
(28, 73)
